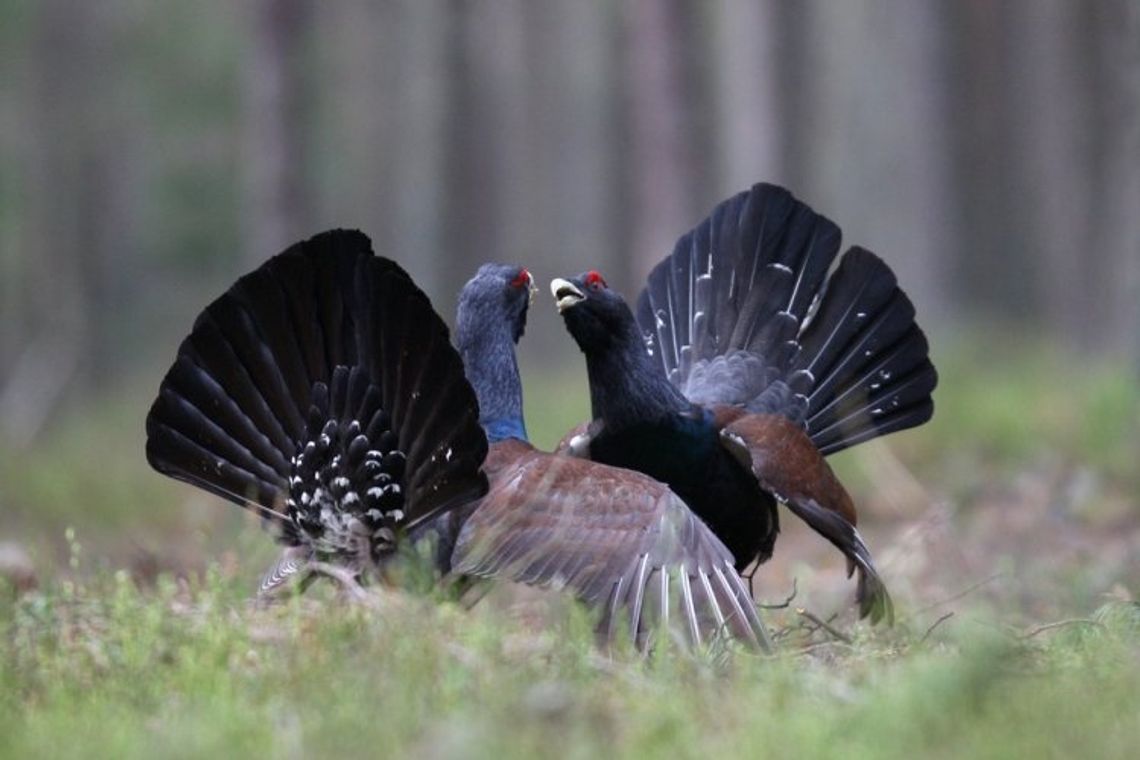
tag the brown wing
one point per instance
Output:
(789, 466)
(622, 542)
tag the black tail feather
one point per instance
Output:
(729, 316)
(741, 280)
(208, 350)
(235, 406)
(869, 360)
(227, 321)
(871, 593)
(432, 405)
(189, 384)
(179, 456)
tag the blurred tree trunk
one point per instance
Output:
(913, 216)
(1049, 176)
(569, 156)
(874, 136)
(276, 183)
(661, 163)
(15, 181)
(352, 172)
(488, 201)
(421, 60)
(115, 174)
(577, 124)
(1052, 152)
(1115, 41)
(57, 322)
(750, 115)
(990, 275)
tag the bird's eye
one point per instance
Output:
(594, 280)
(522, 279)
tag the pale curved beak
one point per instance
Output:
(532, 289)
(566, 294)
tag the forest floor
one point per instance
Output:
(1008, 530)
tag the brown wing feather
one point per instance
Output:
(622, 542)
(788, 465)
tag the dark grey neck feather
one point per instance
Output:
(626, 386)
(488, 351)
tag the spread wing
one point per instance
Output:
(622, 542)
(788, 465)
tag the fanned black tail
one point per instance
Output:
(349, 455)
(743, 313)
(738, 285)
(327, 329)
(866, 357)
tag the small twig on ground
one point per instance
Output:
(824, 625)
(783, 633)
(784, 604)
(930, 630)
(965, 592)
(723, 629)
(1060, 624)
(808, 649)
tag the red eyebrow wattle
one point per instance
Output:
(521, 279)
(593, 277)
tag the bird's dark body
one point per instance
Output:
(685, 452)
(750, 359)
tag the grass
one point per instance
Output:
(105, 668)
(1009, 403)
(1017, 517)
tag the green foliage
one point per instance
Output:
(101, 666)
(119, 663)
(555, 401)
(90, 473)
(1010, 403)
(1005, 409)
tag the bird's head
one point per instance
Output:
(595, 316)
(497, 294)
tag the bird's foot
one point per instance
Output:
(348, 580)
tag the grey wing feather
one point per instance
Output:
(614, 538)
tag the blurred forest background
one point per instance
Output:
(150, 152)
